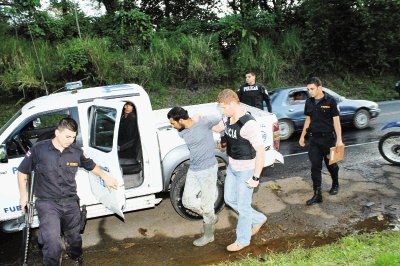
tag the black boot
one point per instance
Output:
(317, 198)
(335, 185)
(335, 189)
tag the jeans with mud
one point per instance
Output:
(56, 219)
(239, 197)
(318, 151)
(200, 192)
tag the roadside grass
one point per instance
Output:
(351, 86)
(374, 89)
(379, 249)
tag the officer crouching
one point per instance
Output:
(323, 127)
(55, 163)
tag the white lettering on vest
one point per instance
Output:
(250, 88)
(231, 133)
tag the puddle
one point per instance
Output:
(166, 251)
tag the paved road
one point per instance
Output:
(358, 143)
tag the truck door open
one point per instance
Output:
(104, 119)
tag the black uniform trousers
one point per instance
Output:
(56, 218)
(320, 145)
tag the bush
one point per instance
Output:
(74, 60)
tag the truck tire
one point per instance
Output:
(286, 128)
(178, 184)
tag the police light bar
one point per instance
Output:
(73, 85)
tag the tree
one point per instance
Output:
(174, 12)
(111, 5)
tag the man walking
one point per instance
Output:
(201, 181)
(323, 126)
(246, 153)
(252, 93)
(55, 163)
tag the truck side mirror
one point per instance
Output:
(3, 154)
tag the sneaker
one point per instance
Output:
(257, 228)
(235, 247)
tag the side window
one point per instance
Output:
(36, 128)
(297, 97)
(102, 128)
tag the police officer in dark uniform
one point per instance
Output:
(55, 163)
(323, 127)
(253, 94)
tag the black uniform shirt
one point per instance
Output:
(321, 113)
(254, 95)
(54, 171)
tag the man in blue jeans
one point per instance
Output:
(246, 153)
(200, 190)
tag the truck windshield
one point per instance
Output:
(3, 128)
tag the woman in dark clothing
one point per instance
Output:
(128, 136)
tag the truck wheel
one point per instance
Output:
(178, 184)
(286, 128)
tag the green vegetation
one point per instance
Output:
(379, 249)
(169, 46)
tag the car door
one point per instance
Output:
(104, 119)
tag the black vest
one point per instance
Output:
(252, 95)
(239, 148)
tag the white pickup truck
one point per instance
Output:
(162, 158)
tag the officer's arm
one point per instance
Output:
(338, 131)
(266, 99)
(23, 198)
(219, 127)
(268, 102)
(304, 132)
(260, 154)
(109, 181)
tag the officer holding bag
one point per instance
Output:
(323, 127)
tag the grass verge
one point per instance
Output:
(378, 249)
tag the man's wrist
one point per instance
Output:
(255, 178)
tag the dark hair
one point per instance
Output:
(251, 72)
(177, 113)
(314, 80)
(68, 123)
(129, 103)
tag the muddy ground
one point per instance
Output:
(369, 200)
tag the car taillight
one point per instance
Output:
(276, 135)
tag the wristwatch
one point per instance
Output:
(256, 178)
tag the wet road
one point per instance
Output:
(361, 144)
(390, 111)
(358, 143)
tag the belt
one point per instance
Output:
(321, 134)
(60, 200)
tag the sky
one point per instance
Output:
(88, 7)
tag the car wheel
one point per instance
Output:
(178, 185)
(361, 119)
(286, 129)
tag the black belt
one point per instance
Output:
(321, 134)
(60, 200)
